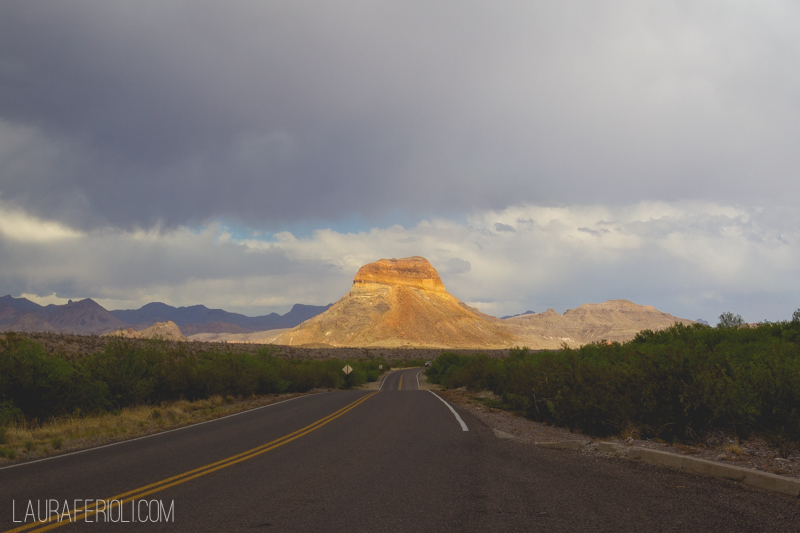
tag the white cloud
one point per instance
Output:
(45, 300)
(18, 225)
(692, 259)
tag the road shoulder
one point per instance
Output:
(752, 463)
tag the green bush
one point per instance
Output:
(678, 383)
(39, 385)
(8, 453)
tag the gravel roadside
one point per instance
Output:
(753, 453)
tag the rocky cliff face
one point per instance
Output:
(415, 272)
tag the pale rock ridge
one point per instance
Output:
(613, 320)
(166, 330)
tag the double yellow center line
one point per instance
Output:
(125, 497)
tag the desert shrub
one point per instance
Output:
(42, 384)
(8, 414)
(408, 363)
(126, 373)
(8, 453)
(678, 383)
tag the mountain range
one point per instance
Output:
(399, 303)
(87, 317)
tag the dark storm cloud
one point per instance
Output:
(135, 113)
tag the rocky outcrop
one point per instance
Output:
(414, 272)
(165, 330)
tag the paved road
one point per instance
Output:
(389, 460)
(402, 380)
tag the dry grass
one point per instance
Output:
(630, 432)
(683, 448)
(733, 449)
(25, 441)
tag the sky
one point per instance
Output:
(253, 155)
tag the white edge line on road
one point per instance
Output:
(76, 452)
(418, 373)
(384, 379)
(463, 425)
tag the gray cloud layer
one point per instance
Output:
(138, 113)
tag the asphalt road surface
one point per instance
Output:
(396, 459)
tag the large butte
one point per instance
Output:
(410, 271)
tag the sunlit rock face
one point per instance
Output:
(399, 303)
(165, 330)
(414, 272)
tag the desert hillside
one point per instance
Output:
(166, 330)
(403, 303)
(614, 320)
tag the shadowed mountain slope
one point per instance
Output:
(215, 320)
(87, 317)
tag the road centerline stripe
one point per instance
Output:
(125, 497)
(160, 433)
(400, 383)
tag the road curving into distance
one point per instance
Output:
(406, 380)
(396, 459)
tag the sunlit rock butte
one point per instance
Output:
(396, 303)
(403, 303)
(410, 272)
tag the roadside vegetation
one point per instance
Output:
(679, 384)
(408, 363)
(134, 387)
